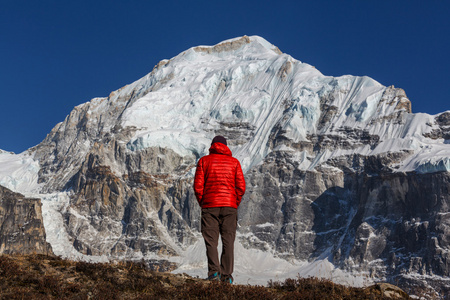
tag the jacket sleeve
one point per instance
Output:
(199, 182)
(240, 183)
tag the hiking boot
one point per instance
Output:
(227, 279)
(214, 277)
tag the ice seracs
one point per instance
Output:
(19, 172)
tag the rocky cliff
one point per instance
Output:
(382, 225)
(21, 225)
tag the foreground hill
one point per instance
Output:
(49, 277)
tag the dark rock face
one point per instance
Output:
(383, 224)
(22, 229)
(443, 120)
(403, 220)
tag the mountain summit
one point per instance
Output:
(341, 175)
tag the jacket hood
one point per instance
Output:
(219, 148)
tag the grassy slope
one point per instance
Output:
(47, 277)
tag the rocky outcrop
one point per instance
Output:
(21, 226)
(229, 46)
(443, 132)
(143, 211)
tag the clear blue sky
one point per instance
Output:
(55, 55)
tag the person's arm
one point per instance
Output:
(240, 183)
(199, 182)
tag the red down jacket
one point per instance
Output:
(219, 181)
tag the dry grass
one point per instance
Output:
(48, 277)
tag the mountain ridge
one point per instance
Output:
(332, 166)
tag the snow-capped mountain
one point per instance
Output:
(342, 178)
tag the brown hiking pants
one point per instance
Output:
(223, 221)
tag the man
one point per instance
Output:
(219, 186)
